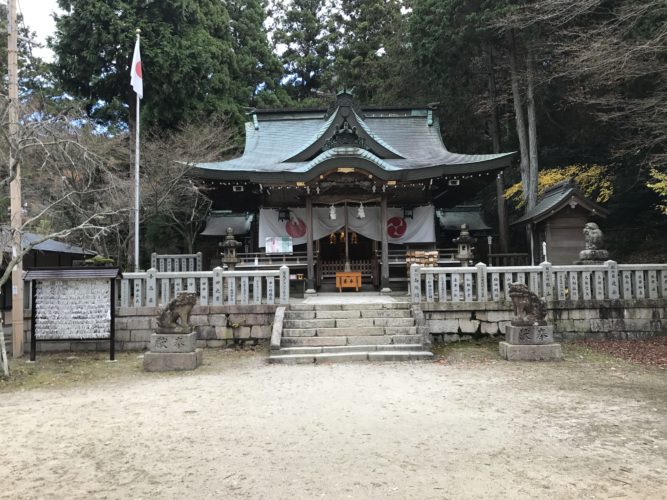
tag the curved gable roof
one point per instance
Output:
(399, 143)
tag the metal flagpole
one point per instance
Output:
(136, 179)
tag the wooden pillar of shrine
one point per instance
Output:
(310, 273)
(384, 273)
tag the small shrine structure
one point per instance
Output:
(558, 220)
(351, 188)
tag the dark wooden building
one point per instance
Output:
(558, 220)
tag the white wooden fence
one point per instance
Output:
(152, 288)
(481, 283)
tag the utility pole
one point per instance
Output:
(15, 186)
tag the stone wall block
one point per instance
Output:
(199, 320)
(238, 319)
(224, 333)
(122, 335)
(80, 345)
(242, 332)
(260, 332)
(215, 343)
(495, 316)
(138, 323)
(443, 325)
(141, 335)
(217, 320)
(489, 328)
(135, 346)
(206, 333)
(469, 325)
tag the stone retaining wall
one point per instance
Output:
(584, 319)
(217, 326)
(220, 326)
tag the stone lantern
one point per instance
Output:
(229, 247)
(465, 242)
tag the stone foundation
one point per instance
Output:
(216, 326)
(583, 319)
(172, 361)
(511, 352)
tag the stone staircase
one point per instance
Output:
(316, 333)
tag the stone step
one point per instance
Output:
(290, 324)
(350, 332)
(322, 341)
(351, 307)
(333, 357)
(349, 348)
(353, 314)
(309, 323)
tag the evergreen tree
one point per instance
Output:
(259, 68)
(187, 54)
(367, 46)
(303, 34)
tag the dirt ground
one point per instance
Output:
(466, 426)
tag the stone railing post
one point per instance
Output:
(199, 266)
(125, 293)
(547, 281)
(430, 288)
(415, 283)
(613, 288)
(482, 294)
(217, 286)
(154, 260)
(203, 291)
(138, 292)
(151, 287)
(284, 285)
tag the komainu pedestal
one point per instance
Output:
(174, 344)
(528, 337)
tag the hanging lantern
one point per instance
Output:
(361, 214)
(332, 212)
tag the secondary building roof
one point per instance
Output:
(391, 143)
(557, 197)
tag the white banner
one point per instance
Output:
(418, 229)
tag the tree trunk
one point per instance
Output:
(503, 226)
(524, 164)
(531, 195)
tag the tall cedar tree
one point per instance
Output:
(367, 31)
(303, 34)
(187, 52)
(259, 68)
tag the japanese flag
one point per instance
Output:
(136, 79)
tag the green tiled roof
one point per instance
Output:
(280, 137)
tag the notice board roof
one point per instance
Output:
(72, 273)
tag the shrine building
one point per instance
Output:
(343, 189)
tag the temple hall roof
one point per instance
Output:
(390, 143)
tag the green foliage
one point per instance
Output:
(595, 182)
(303, 31)
(367, 46)
(659, 186)
(258, 67)
(188, 58)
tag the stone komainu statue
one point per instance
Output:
(529, 309)
(593, 237)
(178, 309)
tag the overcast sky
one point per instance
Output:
(37, 16)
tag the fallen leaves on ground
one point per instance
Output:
(651, 351)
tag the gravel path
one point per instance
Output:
(239, 428)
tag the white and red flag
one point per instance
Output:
(136, 79)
